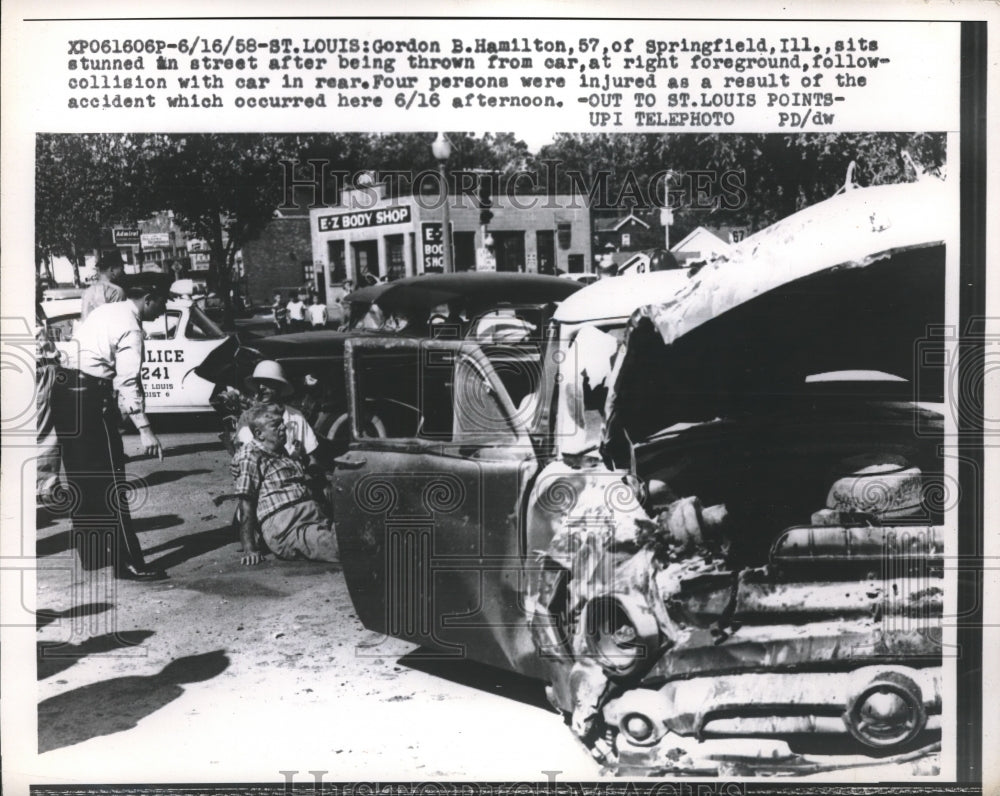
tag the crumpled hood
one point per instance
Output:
(852, 285)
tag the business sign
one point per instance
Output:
(155, 240)
(126, 236)
(365, 218)
(432, 245)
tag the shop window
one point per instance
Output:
(575, 263)
(335, 256)
(563, 230)
(465, 250)
(397, 263)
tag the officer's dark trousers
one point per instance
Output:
(86, 416)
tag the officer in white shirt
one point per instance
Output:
(105, 358)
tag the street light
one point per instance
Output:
(441, 147)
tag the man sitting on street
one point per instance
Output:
(276, 508)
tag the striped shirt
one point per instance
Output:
(272, 481)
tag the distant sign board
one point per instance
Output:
(155, 240)
(432, 245)
(126, 236)
(365, 218)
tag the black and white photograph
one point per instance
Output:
(406, 453)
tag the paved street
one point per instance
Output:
(226, 672)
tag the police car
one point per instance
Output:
(176, 343)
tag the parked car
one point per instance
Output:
(707, 513)
(488, 306)
(176, 343)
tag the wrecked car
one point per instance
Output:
(488, 307)
(709, 512)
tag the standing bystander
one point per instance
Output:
(297, 314)
(317, 313)
(49, 461)
(106, 356)
(107, 288)
(280, 313)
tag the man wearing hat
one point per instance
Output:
(107, 288)
(270, 386)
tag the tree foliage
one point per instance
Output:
(83, 185)
(780, 174)
(223, 189)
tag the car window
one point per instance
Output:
(163, 328)
(201, 327)
(503, 326)
(429, 393)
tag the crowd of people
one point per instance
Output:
(304, 310)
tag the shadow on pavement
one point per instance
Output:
(157, 522)
(57, 656)
(194, 447)
(188, 547)
(62, 541)
(479, 676)
(119, 704)
(159, 477)
(46, 616)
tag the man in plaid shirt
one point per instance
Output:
(275, 503)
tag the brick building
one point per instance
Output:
(281, 259)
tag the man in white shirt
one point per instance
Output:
(297, 314)
(105, 358)
(317, 314)
(106, 290)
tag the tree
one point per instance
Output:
(223, 189)
(780, 174)
(83, 184)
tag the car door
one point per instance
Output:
(429, 517)
(176, 343)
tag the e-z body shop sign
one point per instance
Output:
(432, 240)
(365, 218)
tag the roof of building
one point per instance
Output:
(616, 223)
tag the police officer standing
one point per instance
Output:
(106, 356)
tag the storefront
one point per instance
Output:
(371, 236)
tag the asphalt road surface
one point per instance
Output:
(232, 673)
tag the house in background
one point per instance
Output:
(704, 243)
(622, 234)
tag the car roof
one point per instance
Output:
(474, 289)
(620, 296)
(850, 230)
(60, 309)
